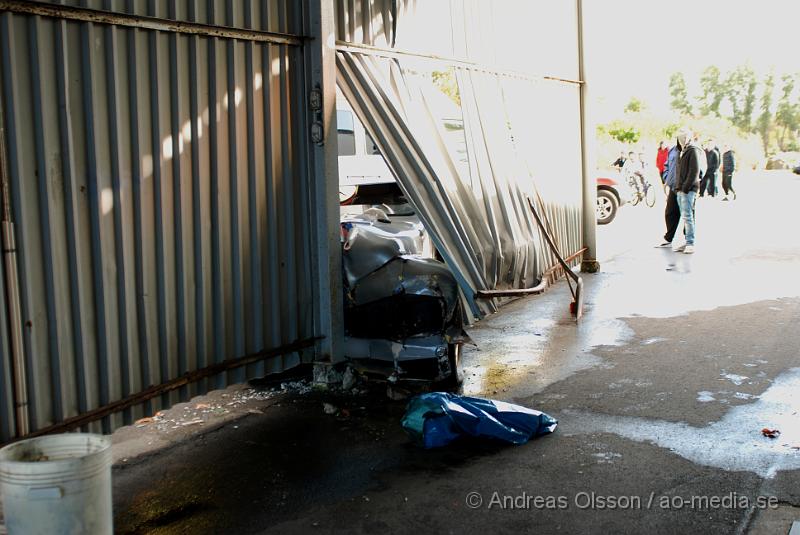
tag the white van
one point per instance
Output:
(360, 161)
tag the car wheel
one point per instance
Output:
(607, 205)
(456, 370)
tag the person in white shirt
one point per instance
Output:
(633, 171)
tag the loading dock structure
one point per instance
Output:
(169, 196)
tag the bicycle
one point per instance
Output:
(646, 192)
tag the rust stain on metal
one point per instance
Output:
(81, 14)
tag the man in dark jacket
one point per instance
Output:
(691, 168)
(709, 182)
(672, 214)
(728, 167)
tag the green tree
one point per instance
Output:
(679, 94)
(787, 115)
(713, 91)
(634, 105)
(764, 123)
(740, 90)
(750, 102)
(670, 130)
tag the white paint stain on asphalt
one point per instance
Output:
(735, 379)
(705, 396)
(607, 457)
(734, 443)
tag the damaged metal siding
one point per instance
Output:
(160, 192)
(520, 110)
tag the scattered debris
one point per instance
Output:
(326, 376)
(770, 433)
(396, 393)
(348, 379)
(192, 422)
(297, 387)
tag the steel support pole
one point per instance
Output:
(320, 57)
(589, 264)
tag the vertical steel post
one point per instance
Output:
(9, 248)
(589, 264)
(320, 120)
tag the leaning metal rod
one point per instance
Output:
(552, 244)
(576, 307)
(548, 276)
(9, 252)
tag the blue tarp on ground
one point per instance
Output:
(437, 418)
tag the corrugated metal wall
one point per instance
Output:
(159, 186)
(6, 398)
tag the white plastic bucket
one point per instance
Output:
(57, 484)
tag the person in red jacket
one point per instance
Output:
(661, 158)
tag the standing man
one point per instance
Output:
(712, 161)
(692, 166)
(728, 167)
(672, 214)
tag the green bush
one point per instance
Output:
(625, 134)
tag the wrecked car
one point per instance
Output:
(402, 308)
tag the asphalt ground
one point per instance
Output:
(661, 393)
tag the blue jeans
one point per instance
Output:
(686, 203)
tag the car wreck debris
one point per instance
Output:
(402, 310)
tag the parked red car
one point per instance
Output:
(608, 199)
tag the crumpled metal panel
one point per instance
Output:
(392, 293)
(407, 275)
(370, 243)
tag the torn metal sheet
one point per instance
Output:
(468, 168)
